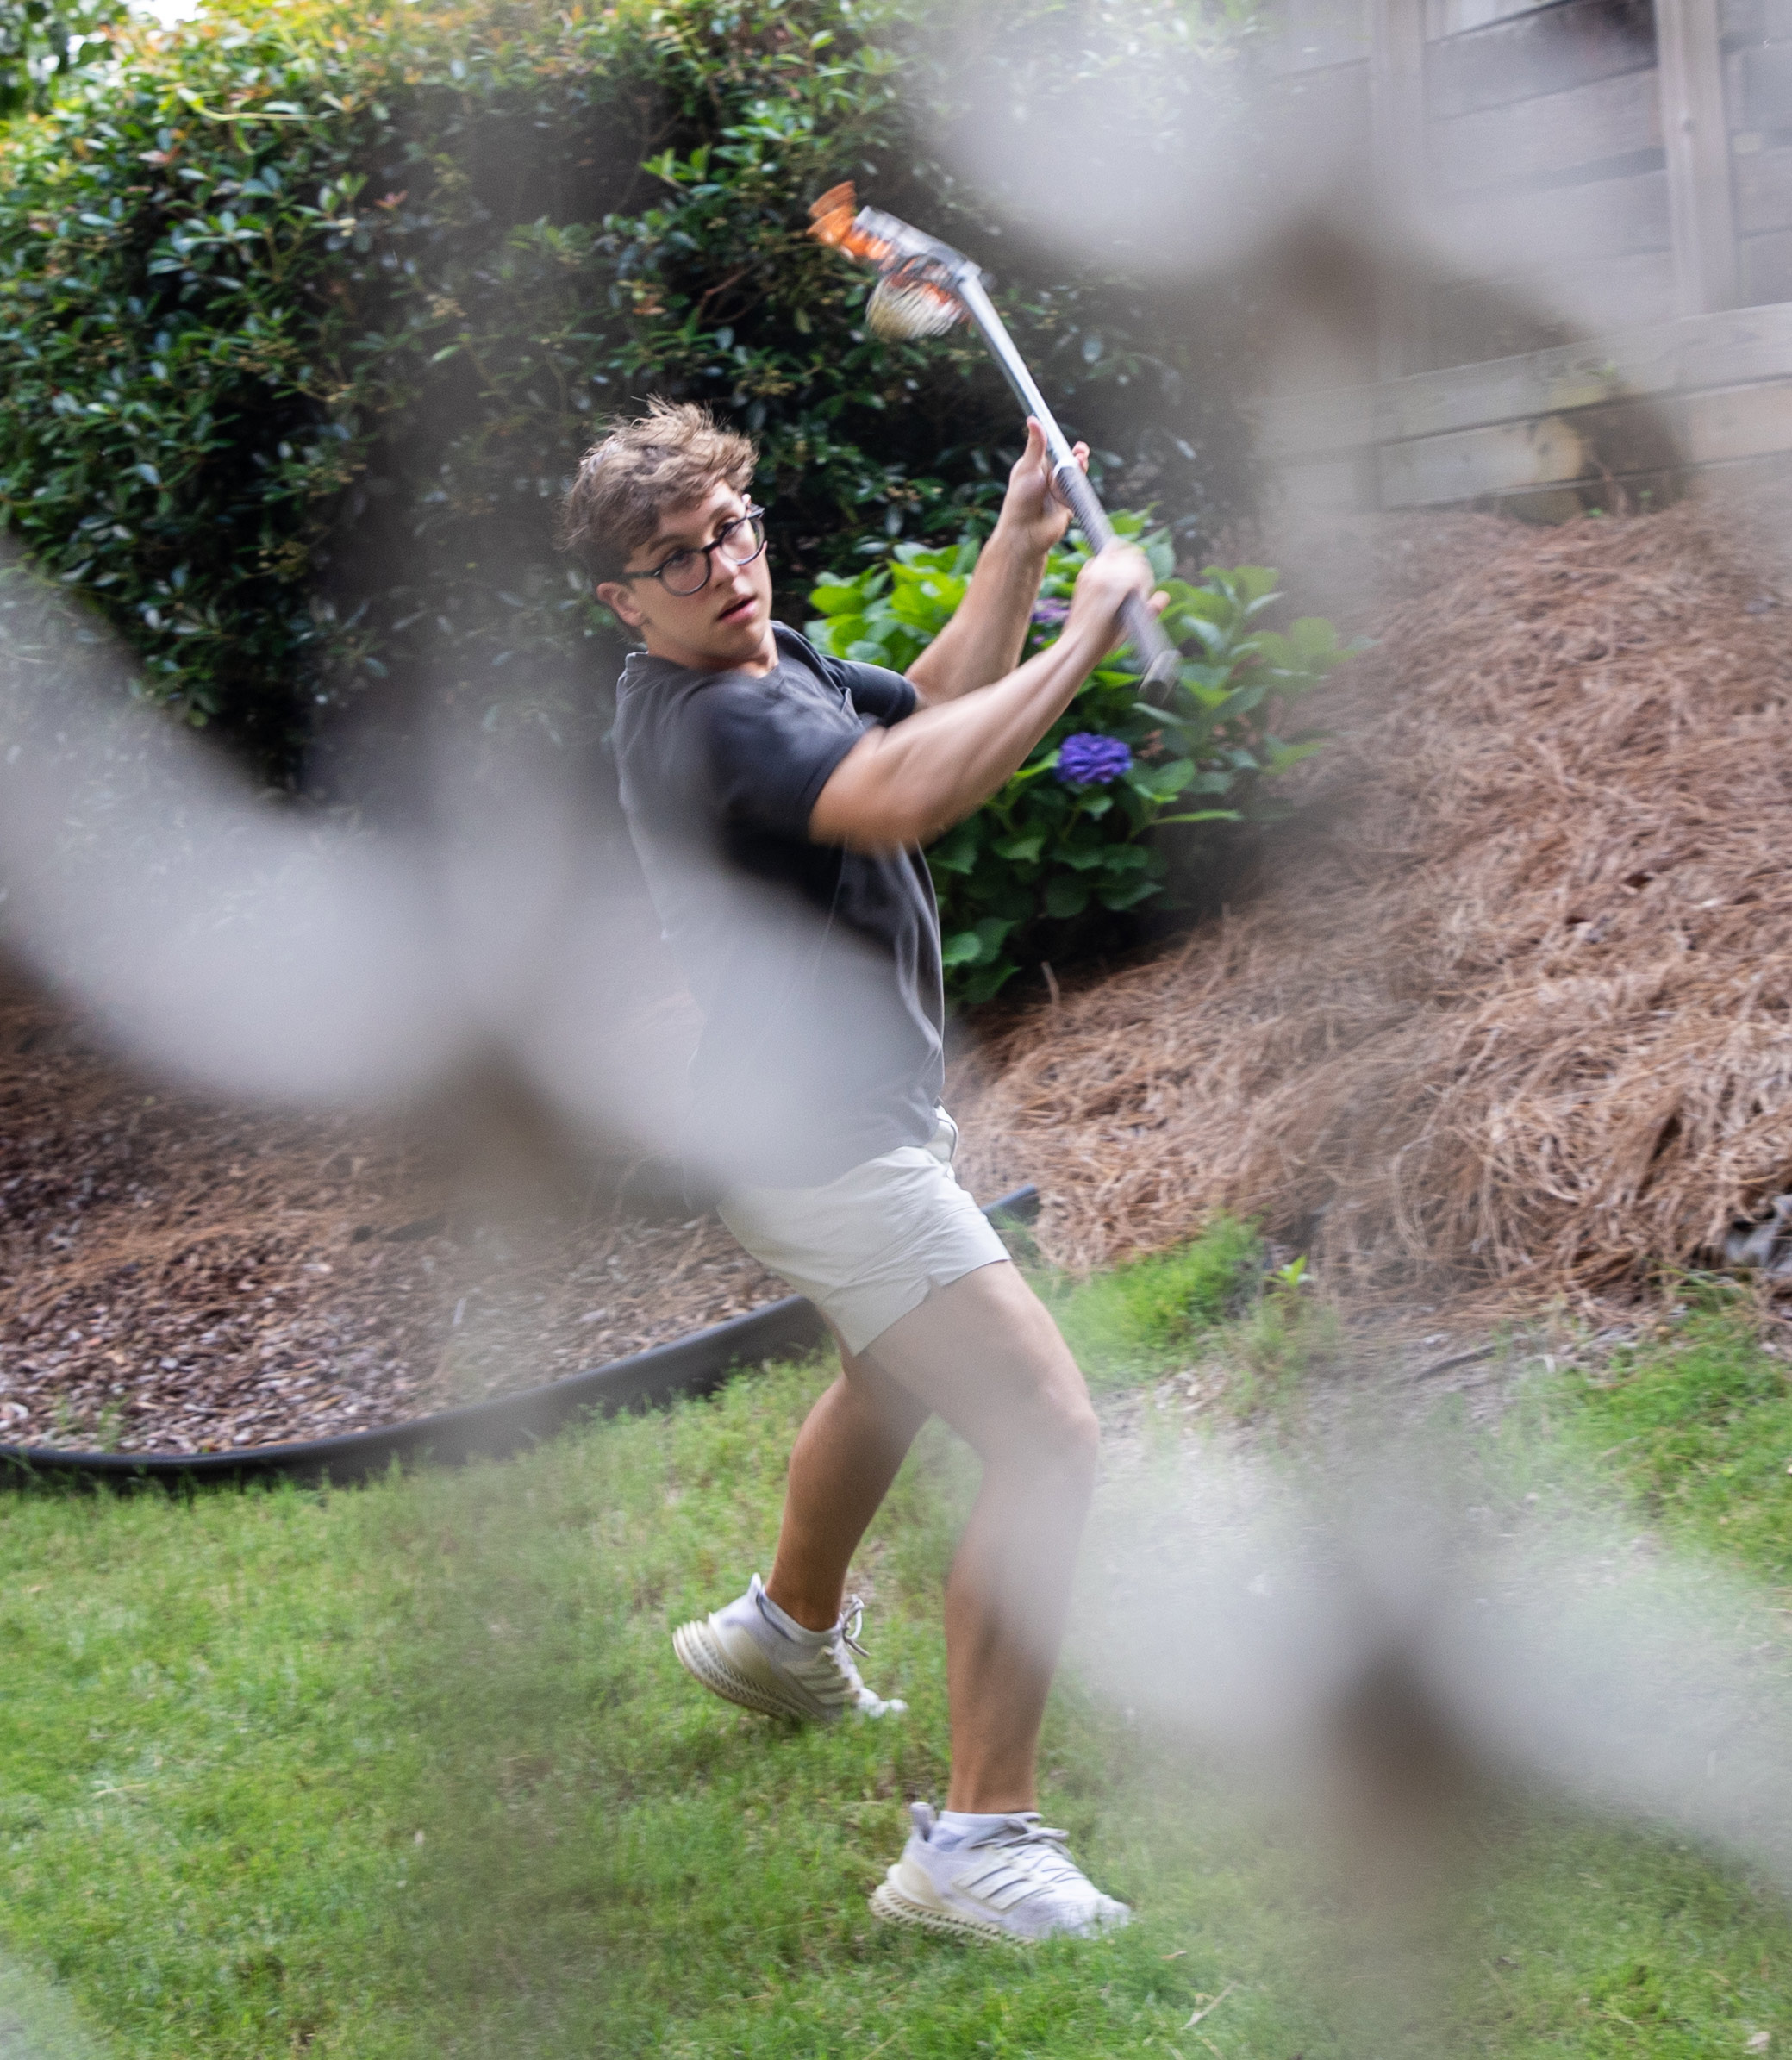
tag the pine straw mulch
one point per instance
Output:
(1512, 1004)
(180, 1274)
(1515, 1005)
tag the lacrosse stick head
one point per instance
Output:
(917, 294)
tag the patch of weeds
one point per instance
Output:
(1147, 1318)
(1287, 1334)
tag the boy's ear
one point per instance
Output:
(620, 600)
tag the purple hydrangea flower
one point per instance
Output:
(1088, 759)
(1049, 613)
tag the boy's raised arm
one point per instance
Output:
(906, 785)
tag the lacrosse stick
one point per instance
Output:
(923, 287)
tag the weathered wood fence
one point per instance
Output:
(1598, 294)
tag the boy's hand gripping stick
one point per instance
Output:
(924, 286)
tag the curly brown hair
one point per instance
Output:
(668, 458)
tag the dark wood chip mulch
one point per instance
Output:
(180, 1274)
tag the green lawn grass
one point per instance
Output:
(411, 1770)
(1700, 1434)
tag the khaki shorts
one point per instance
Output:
(874, 1244)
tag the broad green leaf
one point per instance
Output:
(957, 851)
(1125, 857)
(987, 980)
(1161, 782)
(1314, 638)
(1126, 894)
(992, 931)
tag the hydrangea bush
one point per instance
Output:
(1091, 825)
(1089, 759)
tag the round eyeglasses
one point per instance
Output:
(687, 572)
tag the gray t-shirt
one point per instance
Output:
(817, 968)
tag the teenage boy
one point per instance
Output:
(778, 801)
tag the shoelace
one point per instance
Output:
(851, 1616)
(840, 1682)
(1029, 1832)
(1036, 1849)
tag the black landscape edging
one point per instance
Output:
(697, 1365)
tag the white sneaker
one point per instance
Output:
(1016, 1881)
(742, 1654)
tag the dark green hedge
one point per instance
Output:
(304, 318)
(44, 42)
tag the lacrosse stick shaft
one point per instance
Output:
(1156, 654)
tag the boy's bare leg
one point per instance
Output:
(844, 1458)
(984, 1354)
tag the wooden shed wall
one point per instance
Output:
(1549, 183)
(1614, 423)
(1757, 38)
(1539, 159)
(1541, 153)
(1591, 187)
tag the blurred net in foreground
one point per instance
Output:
(37, 2022)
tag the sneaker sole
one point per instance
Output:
(702, 1657)
(890, 1907)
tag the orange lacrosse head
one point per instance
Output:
(907, 301)
(830, 218)
(831, 221)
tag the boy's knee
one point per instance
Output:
(1070, 1433)
(1084, 1431)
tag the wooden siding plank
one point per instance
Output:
(1502, 460)
(1396, 131)
(1719, 427)
(1705, 353)
(1746, 422)
(1540, 459)
(1767, 268)
(1546, 51)
(1755, 20)
(1695, 136)
(1727, 349)
(1458, 17)
(1557, 132)
(1605, 218)
(1764, 75)
(1763, 191)
(1521, 314)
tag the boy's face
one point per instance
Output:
(725, 625)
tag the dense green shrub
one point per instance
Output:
(1054, 856)
(43, 42)
(305, 315)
